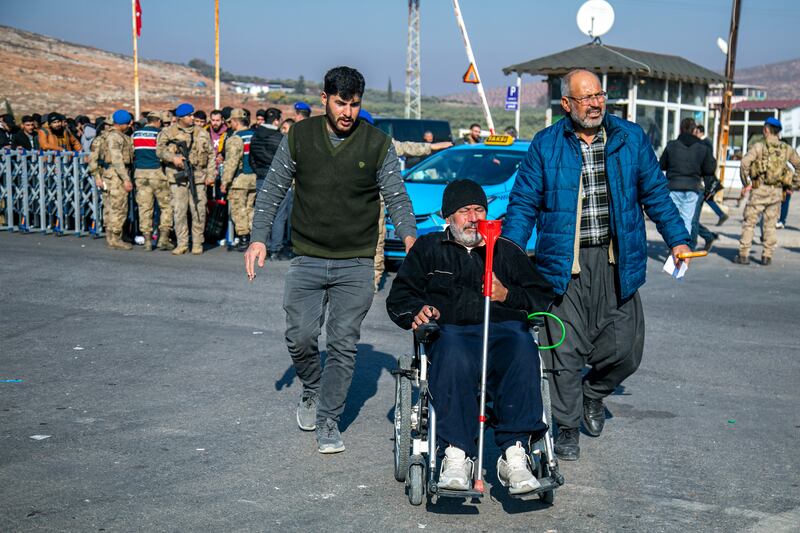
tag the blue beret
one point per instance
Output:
(121, 116)
(364, 115)
(772, 121)
(300, 106)
(183, 110)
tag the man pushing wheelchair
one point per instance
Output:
(442, 280)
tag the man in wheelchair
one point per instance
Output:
(441, 279)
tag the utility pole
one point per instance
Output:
(216, 54)
(725, 110)
(413, 90)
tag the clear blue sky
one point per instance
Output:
(284, 39)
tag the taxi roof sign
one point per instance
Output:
(499, 140)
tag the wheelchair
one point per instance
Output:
(415, 451)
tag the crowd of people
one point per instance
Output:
(141, 161)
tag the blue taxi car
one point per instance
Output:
(493, 164)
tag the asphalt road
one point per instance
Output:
(167, 397)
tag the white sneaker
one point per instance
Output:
(779, 225)
(514, 471)
(456, 471)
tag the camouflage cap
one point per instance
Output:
(238, 113)
(167, 115)
(155, 115)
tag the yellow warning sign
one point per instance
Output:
(471, 76)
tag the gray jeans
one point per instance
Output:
(345, 286)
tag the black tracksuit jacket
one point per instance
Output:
(439, 271)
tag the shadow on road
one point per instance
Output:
(370, 364)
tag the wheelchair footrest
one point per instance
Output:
(545, 485)
(466, 494)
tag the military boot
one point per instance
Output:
(148, 242)
(197, 249)
(182, 248)
(164, 242)
(115, 241)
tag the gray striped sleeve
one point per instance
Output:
(276, 185)
(395, 196)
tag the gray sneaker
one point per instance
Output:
(307, 411)
(329, 439)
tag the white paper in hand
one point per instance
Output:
(677, 273)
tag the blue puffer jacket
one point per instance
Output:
(545, 194)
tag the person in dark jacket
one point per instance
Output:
(263, 146)
(686, 160)
(584, 183)
(442, 279)
(26, 138)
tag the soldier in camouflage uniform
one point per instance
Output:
(117, 153)
(765, 169)
(96, 165)
(201, 160)
(239, 178)
(151, 183)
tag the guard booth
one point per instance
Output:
(654, 90)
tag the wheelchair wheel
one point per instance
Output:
(548, 410)
(416, 484)
(543, 469)
(402, 420)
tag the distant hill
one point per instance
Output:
(534, 94)
(42, 74)
(782, 80)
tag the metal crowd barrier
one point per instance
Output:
(48, 192)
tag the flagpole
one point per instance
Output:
(135, 65)
(216, 54)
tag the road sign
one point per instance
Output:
(471, 76)
(512, 98)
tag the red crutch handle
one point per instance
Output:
(490, 230)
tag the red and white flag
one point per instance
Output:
(138, 11)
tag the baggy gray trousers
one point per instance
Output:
(345, 287)
(602, 331)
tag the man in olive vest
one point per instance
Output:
(118, 155)
(765, 171)
(340, 166)
(151, 183)
(170, 146)
(239, 178)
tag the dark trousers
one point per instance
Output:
(785, 209)
(602, 331)
(714, 207)
(699, 229)
(513, 382)
(281, 227)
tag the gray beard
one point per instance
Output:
(466, 239)
(586, 123)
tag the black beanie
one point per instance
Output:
(460, 193)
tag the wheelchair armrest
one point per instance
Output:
(426, 332)
(537, 322)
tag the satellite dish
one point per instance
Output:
(722, 44)
(595, 18)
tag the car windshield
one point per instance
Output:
(484, 166)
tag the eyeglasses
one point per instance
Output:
(583, 100)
